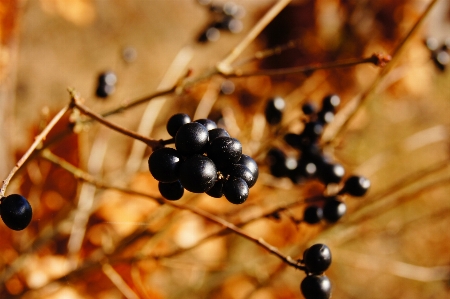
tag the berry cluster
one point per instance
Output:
(312, 163)
(440, 52)
(316, 260)
(205, 159)
(15, 211)
(225, 18)
(106, 84)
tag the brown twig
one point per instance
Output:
(76, 102)
(38, 139)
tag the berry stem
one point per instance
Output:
(376, 59)
(38, 139)
(211, 217)
(76, 102)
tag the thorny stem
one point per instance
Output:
(38, 139)
(211, 217)
(76, 102)
(376, 59)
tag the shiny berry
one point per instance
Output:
(164, 164)
(313, 214)
(330, 103)
(198, 174)
(316, 287)
(235, 190)
(191, 138)
(171, 191)
(317, 258)
(248, 162)
(15, 211)
(274, 110)
(217, 132)
(216, 190)
(225, 150)
(209, 124)
(333, 209)
(356, 186)
(175, 122)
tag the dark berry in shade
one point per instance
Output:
(313, 214)
(331, 173)
(16, 211)
(316, 287)
(216, 190)
(294, 140)
(333, 209)
(175, 122)
(274, 110)
(225, 150)
(164, 164)
(209, 124)
(241, 171)
(330, 102)
(107, 78)
(325, 117)
(198, 174)
(235, 190)
(248, 162)
(191, 138)
(276, 159)
(317, 258)
(313, 130)
(171, 191)
(211, 34)
(356, 186)
(217, 132)
(104, 91)
(309, 108)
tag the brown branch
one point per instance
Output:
(38, 139)
(76, 102)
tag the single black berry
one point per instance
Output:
(317, 258)
(209, 124)
(171, 191)
(175, 122)
(276, 159)
(313, 130)
(248, 162)
(225, 150)
(274, 110)
(241, 171)
(191, 138)
(333, 209)
(198, 174)
(294, 140)
(164, 164)
(103, 91)
(217, 132)
(216, 190)
(331, 173)
(313, 214)
(330, 103)
(235, 190)
(316, 287)
(309, 108)
(15, 211)
(356, 186)
(106, 84)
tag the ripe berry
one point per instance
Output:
(103, 91)
(209, 124)
(175, 122)
(164, 164)
(317, 258)
(309, 108)
(313, 214)
(235, 190)
(225, 150)
(333, 210)
(316, 287)
(330, 103)
(191, 138)
(276, 159)
(106, 84)
(294, 140)
(216, 190)
(356, 186)
(198, 174)
(241, 171)
(217, 132)
(15, 211)
(171, 191)
(331, 173)
(248, 162)
(312, 130)
(274, 110)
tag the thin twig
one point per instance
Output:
(376, 59)
(76, 102)
(211, 217)
(38, 139)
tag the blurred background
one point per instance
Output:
(87, 242)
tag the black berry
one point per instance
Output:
(175, 122)
(235, 190)
(191, 138)
(164, 164)
(274, 110)
(209, 124)
(217, 132)
(331, 173)
(330, 103)
(316, 287)
(171, 191)
(16, 211)
(333, 209)
(248, 162)
(225, 150)
(241, 171)
(309, 108)
(356, 186)
(317, 258)
(216, 190)
(198, 174)
(313, 214)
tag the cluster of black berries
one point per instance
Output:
(316, 260)
(205, 159)
(226, 17)
(440, 52)
(312, 163)
(106, 84)
(15, 211)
